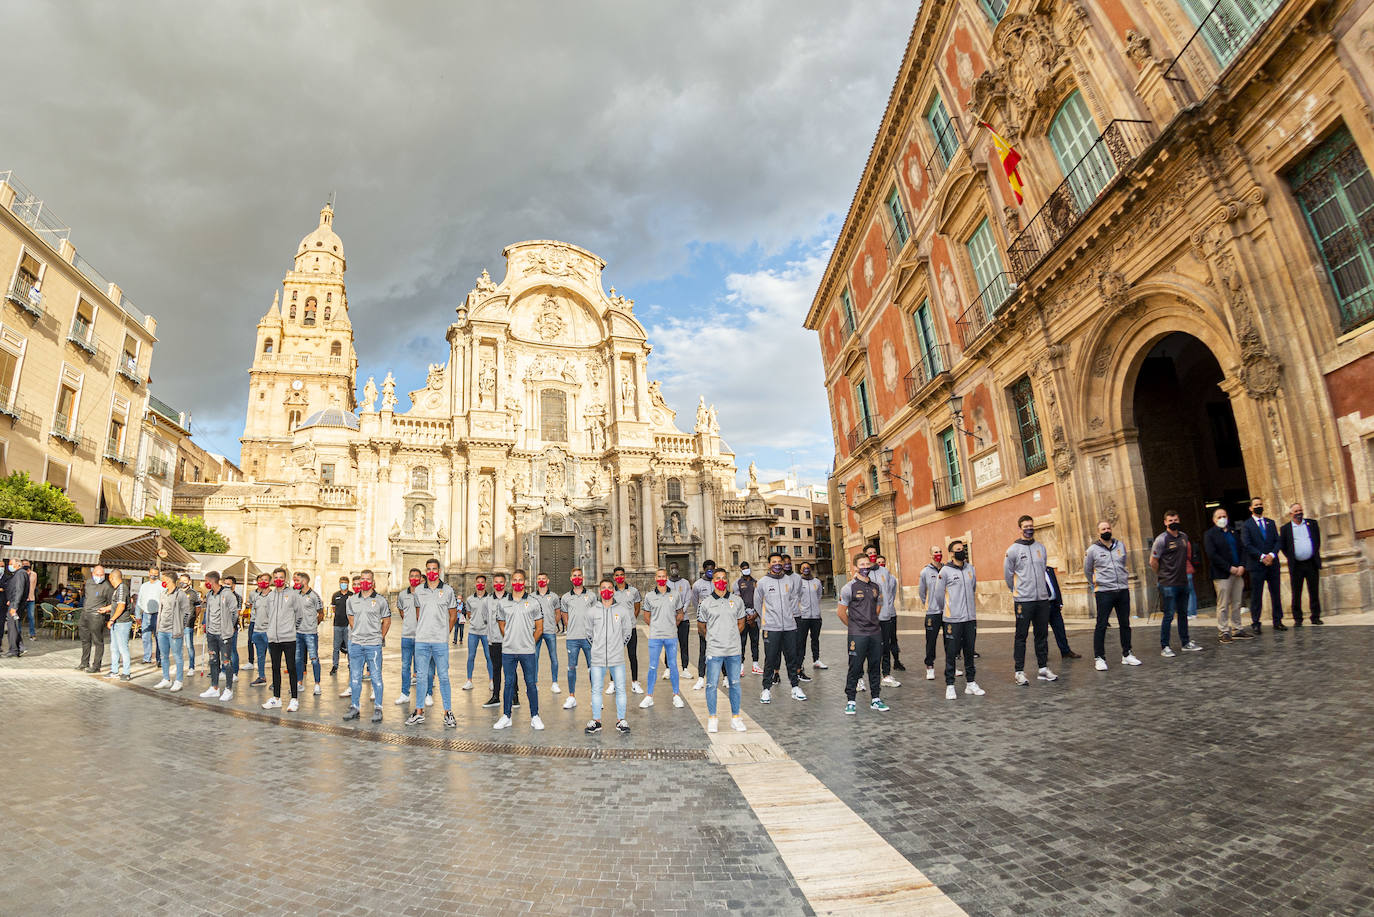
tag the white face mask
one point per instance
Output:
(1221, 522)
(98, 579)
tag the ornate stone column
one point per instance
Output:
(469, 536)
(646, 522)
(622, 515)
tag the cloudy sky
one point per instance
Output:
(707, 151)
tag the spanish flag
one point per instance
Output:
(1010, 159)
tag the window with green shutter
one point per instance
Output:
(1086, 163)
(987, 268)
(942, 131)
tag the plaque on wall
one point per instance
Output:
(987, 470)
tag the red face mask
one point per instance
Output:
(517, 587)
(262, 584)
(720, 585)
(481, 588)
(620, 579)
(357, 588)
(433, 575)
(278, 583)
(937, 557)
(500, 586)
(882, 563)
(577, 581)
(607, 594)
(414, 581)
(543, 584)
(366, 585)
(662, 581)
(298, 585)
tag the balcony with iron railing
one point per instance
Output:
(1227, 28)
(898, 235)
(24, 293)
(113, 453)
(947, 145)
(158, 467)
(128, 368)
(1115, 149)
(83, 335)
(65, 430)
(866, 429)
(979, 316)
(948, 492)
(9, 403)
(932, 364)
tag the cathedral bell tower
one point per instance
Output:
(303, 360)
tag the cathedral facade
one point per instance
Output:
(541, 442)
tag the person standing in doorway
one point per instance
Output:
(574, 613)
(279, 612)
(436, 609)
(1169, 560)
(1104, 566)
(609, 626)
(548, 603)
(308, 628)
(369, 619)
(632, 603)
(721, 618)
(663, 611)
(860, 600)
(176, 610)
(1226, 562)
(150, 594)
(1024, 572)
(887, 618)
(1300, 540)
(95, 607)
(750, 634)
(1260, 538)
(475, 609)
(956, 587)
(777, 604)
(257, 625)
(687, 598)
(521, 621)
(121, 627)
(808, 618)
(338, 604)
(934, 609)
(221, 633)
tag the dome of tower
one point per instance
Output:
(323, 240)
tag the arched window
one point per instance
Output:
(873, 477)
(419, 478)
(1083, 161)
(335, 349)
(675, 490)
(553, 416)
(293, 312)
(310, 311)
(326, 313)
(267, 345)
(293, 295)
(328, 297)
(292, 420)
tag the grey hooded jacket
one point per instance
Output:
(1024, 571)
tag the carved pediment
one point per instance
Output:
(1028, 58)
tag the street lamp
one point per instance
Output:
(956, 407)
(845, 502)
(887, 466)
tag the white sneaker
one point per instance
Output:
(163, 684)
(1129, 659)
(317, 690)
(570, 703)
(950, 693)
(758, 669)
(798, 694)
(1168, 652)
(972, 688)
(1021, 679)
(610, 687)
(502, 723)
(819, 665)
(272, 703)
(930, 673)
(958, 673)
(712, 724)
(210, 692)
(701, 683)
(1192, 648)
(683, 673)
(403, 699)
(737, 724)
(1100, 664)
(227, 695)
(634, 686)
(666, 674)
(293, 706)
(1047, 675)
(646, 703)
(890, 682)
(467, 686)
(677, 701)
(536, 723)
(556, 689)
(766, 697)
(862, 685)
(346, 692)
(176, 686)
(111, 674)
(429, 701)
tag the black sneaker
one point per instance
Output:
(449, 721)
(593, 727)
(257, 682)
(492, 701)
(516, 702)
(125, 677)
(623, 728)
(376, 714)
(416, 718)
(334, 670)
(81, 668)
(804, 677)
(352, 714)
(897, 664)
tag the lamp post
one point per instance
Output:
(956, 407)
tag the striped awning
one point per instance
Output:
(125, 546)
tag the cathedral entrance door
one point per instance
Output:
(556, 559)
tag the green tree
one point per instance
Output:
(24, 498)
(191, 532)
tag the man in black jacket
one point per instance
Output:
(1225, 562)
(1061, 637)
(16, 590)
(1301, 543)
(1260, 538)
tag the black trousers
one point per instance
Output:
(14, 633)
(494, 651)
(633, 649)
(1118, 600)
(959, 638)
(1028, 615)
(1302, 572)
(1061, 636)
(1260, 577)
(91, 627)
(864, 649)
(684, 631)
(808, 628)
(779, 647)
(750, 634)
(934, 631)
(278, 650)
(889, 637)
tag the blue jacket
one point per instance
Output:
(1256, 543)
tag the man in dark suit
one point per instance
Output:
(1260, 539)
(1301, 543)
(16, 591)
(1061, 637)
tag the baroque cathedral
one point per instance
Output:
(541, 443)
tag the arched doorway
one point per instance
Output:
(1190, 450)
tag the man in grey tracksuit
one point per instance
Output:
(955, 588)
(1024, 573)
(278, 613)
(934, 607)
(776, 599)
(221, 633)
(1104, 565)
(887, 620)
(808, 618)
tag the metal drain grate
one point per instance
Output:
(421, 741)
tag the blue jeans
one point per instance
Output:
(151, 650)
(599, 682)
(341, 645)
(1192, 598)
(188, 643)
(1174, 600)
(458, 628)
(662, 647)
(28, 612)
(432, 658)
(169, 645)
(119, 646)
(479, 640)
(308, 645)
(549, 642)
(713, 666)
(260, 649)
(576, 646)
(527, 667)
(370, 656)
(222, 651)
(408, 668)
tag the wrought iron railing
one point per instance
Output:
(114, 454)
(1357, 310)
(158, 468)
(979, 315)
(947, 144)
(1225, 30)
(931, 364)
(866, 428)
(64, 429)
(1115, 148)
(9, 403)
(84, 336)
(128, 368)
(898, 235)
(24, 293)
(948, 492)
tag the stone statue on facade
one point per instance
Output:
(388, 392)
(753, 475)
(712, 424)
(627, 394)
(419, 520)
(703, 421)
(369, 395)
(656, 395)
(486, 384)
(550, 324)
